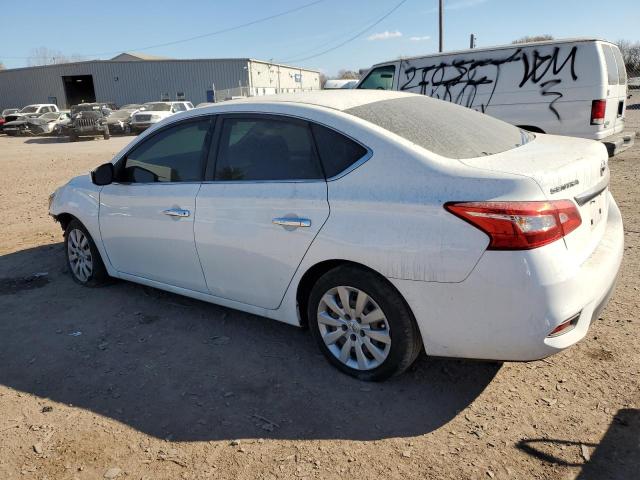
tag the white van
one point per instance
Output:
(571, 87)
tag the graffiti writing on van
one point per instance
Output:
(462, 80)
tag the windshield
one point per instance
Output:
(9, 111)
(158, 107)
(84, 108)
(442, 127)
(29, 109)
(49, 116)
(121, 114)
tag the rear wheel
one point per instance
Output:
(362, 324)
(83, 258)
(105, 134)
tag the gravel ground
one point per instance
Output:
(130, 382)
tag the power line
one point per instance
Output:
(197, 37)
(354, 37)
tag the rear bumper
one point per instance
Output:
(139, 127)
(619, 142)
(508, 305)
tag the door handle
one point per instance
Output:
(292, 222)
(177, 212)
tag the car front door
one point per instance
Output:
(147, 216)
(263, 206)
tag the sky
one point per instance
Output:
(328, 35)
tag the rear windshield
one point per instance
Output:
(442, 127)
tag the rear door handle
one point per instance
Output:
(292, 222)
(177, 212)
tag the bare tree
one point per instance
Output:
(533, 38)
(631, 55)
(323, 79)
(47, 56)
(348, 75)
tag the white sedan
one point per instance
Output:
(387, 222)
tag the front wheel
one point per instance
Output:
(83, 258)
(362, 324)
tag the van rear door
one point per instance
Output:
(614, 91)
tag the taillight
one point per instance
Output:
(519, 225)
(598, 108)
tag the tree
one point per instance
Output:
(533, 38)
(631, 55)
(47, 56)
(323, 79)
(348, 75)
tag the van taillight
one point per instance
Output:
(598, 107)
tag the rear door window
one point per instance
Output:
(380, 78)
(622, 70)
(610, 60)
(337, 152)
(258, 148)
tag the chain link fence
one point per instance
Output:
(633, 89)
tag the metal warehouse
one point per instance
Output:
(135, 78)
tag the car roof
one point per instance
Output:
(334, 99)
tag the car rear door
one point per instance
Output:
(263, 206)
(147, 216)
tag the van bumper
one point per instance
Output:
(619, 142)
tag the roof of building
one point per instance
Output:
(131, 59)
(132, 56)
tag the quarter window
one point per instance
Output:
(380, 78)
(266, 149)
(172, 155)
(337, 152)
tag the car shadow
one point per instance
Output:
(46, 140)
(616, 457)
(187, 370)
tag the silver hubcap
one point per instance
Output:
(79, 254)
(354, 328)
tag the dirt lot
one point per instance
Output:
(129, 382)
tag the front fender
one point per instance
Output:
(81, 199)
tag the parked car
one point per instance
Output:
(384, 221)
(131, 106)
(17, 127)
(31, 111)
(50, 123)
(119, 122)
(154, 112)
(337, 84)
(573, 87)
(634, 83)
(88, 120)
(6, 112)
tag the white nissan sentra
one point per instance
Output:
(385, 221)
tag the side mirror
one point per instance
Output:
(103, 175)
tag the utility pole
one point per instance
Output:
(441, 22)
(472, 40)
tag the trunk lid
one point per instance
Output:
(564, 168)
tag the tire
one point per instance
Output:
(73, 137)
(105, 134)
(391, 332)
(89, 270)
